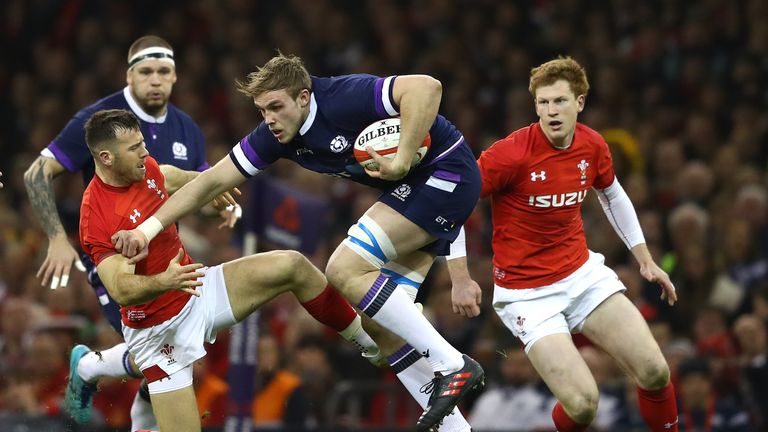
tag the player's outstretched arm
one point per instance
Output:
(38, 180)
(622, 216)
(418, 97)
(224, 176)
(225, 204)
(128, 288)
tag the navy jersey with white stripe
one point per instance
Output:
(340, 108)
(172, 139)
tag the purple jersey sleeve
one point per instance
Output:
(256, 151)
(69, 146)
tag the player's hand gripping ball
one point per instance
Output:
(383, 136)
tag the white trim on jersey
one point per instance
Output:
(47, 153)
(450, 149)
(389, 104)
(311, 117)
(621, 214)
(243, 161)
(136, 108)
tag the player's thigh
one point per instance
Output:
(381, 235)
(562, 368)
(254, 280)
(405, 235)
(617, 327)
(176, 411)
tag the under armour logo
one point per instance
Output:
(542, 175)
(425, 354)
(135, 216)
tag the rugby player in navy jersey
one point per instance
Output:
(172, 138)
(380, 265)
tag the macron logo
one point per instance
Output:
(542, 175)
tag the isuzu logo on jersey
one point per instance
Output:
(541, 175)
(179, 151)
(583, 168)
(339, 144)
(557, 200)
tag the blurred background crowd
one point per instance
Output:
(678, 90)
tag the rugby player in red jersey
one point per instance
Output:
(170, 305)
(548, 284)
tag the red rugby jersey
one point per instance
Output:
(107, 209)
(536, 195)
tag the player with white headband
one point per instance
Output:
(172, 138)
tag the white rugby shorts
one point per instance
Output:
(164, 349)
(561, 307)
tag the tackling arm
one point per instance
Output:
(128, 288)
(211, 183)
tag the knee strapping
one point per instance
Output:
(405, 278)
(370, 241)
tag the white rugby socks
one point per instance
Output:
(355, 334)
(391, 307)
(114, 362)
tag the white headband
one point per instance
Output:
(152, 53)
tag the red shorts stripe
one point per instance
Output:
(154, 373)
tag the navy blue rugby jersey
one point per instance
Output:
(172, 139)
(340, 108)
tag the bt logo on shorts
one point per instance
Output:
(167, 351)
(401, 192)
(444, 223)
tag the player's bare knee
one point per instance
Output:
(654, 376)
(294, 268)
(582, 407)
(337, 272)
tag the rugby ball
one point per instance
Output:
(384, 136)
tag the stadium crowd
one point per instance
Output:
(676, 90)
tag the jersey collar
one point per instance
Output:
(140, 112)
(311, 117)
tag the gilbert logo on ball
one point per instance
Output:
(384, 137)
